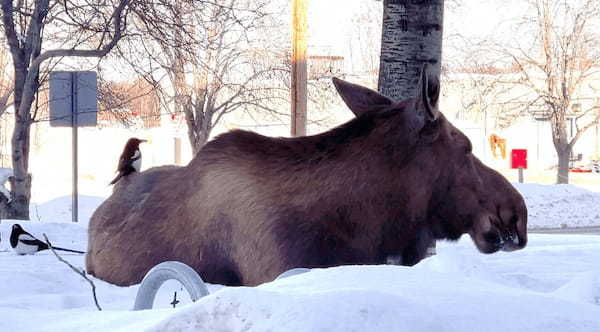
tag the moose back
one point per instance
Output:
(247, 208)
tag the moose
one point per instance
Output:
(388, 183)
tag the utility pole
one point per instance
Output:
(299, 69)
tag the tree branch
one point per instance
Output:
(76, 270)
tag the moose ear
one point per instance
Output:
(428, 94)
(358, 98)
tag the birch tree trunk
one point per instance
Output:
(411, 35)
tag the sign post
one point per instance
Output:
(74, 141)
(518, 160)
(73, 103)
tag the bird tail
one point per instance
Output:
(68, 250)
(119, 176)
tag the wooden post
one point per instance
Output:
(299, 71)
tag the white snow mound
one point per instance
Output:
(559, 206)
(382, 298)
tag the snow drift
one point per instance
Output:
(444, 293)
(560, 205)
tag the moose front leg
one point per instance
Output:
(417, 248)
(415, 251)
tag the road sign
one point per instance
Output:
(73, 88)
(73, 103)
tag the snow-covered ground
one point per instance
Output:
(559, 206)
(552, 285)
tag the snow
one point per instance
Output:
(384, 298)
(59, 209)
(5, 173)
(559, 206)
(551, 285)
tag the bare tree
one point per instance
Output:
(130, 104)
(40, 33)
(481, 87)
(222, 58)
(81, 29)
(548, 67)
(234, 70)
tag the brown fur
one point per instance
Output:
(249, 207)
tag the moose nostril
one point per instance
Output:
(514, 220)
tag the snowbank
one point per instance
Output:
(385, 298)
(559, 206)
(552, 285)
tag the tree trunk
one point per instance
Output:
(564, 155)
(21, 194)
(561, 143)
(198, 139)
(26, 84)
(411, 35)
(21, 181)
(25, 47)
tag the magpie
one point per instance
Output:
(130, 160)
(24, 243)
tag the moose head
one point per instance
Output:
(462, 194)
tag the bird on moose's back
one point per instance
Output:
(130, 160)
(24, 243)
(386, 184)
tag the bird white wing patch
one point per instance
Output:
(137, 161)
(23, 248)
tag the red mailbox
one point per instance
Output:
(518, 158)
